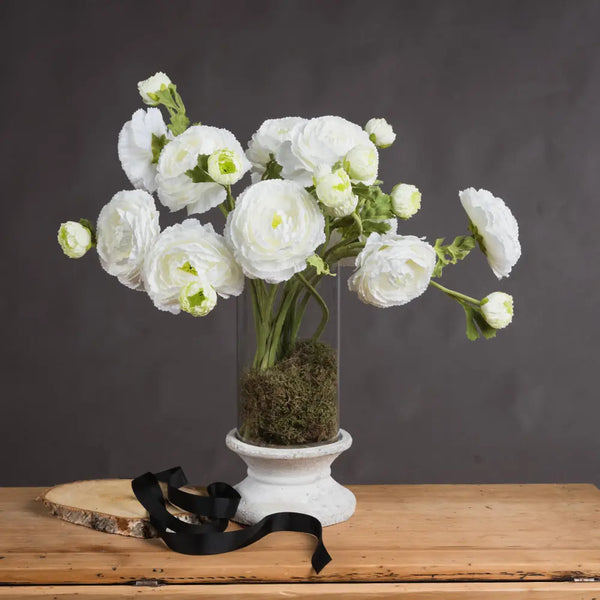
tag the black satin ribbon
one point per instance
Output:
(219, 507)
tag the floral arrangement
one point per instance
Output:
(314, 200)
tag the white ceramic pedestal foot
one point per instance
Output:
(292, 479)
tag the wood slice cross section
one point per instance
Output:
(107, 505)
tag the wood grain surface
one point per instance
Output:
(317, 591)
(426, 533)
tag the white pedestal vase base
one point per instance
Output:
(292, 479)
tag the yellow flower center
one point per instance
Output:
(277, 221)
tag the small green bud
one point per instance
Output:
(74, 239)
(362, 163)
(149, 87)
(225, 167)
(498, 309)
(380, 132)
(197, 299)
(406, 200)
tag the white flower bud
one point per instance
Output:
(380, 132)
(406, 200)
(150, 86)
(334, 191)
(497, 309)
(362, 163)
(74, 239)
(225, 167)
(197, 298)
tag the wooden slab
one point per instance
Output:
(107, 505)
(317, 591)
(399, 534)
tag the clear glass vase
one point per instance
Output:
(287, 359)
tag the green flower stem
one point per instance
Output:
(334, 249)
(229, 201)
(287, 343)
(272, 294)
(344, 250)
(300, 314)
(322, 303)
(262, 306)
(178, 101)
(259, 325)
(454, 294)
(273, 346)
(295, 315)
(346, 244)
(350, 252)
(358, 221)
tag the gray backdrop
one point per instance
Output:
(495, 94)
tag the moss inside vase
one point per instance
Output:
(294, 402)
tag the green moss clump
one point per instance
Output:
(293, 402)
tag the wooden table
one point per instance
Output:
(421, 542)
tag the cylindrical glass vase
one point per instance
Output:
(288, 357)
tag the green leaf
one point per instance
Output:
(179, 123)
(377, 205)
(370, 226)
(164, 96)
(476, 323)
(273, 169)
(169, 97)
(319, 264)
(450, 254)
(89, 225)
(486, 329)
(472, 331)
(158, 143)
(199, 174)
(342, 222)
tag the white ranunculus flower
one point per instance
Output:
(273, 138)
(187, 252)
(127, 227)
(392, 269)
(176, 190)
(497, 229)
(406, 200)
(362, 163)
(334, 191)
(380, 132)
(197, 298)
(150, 86)
(74, 239)
(135, 147)
(498, 309)
(275, 226)
(225, 167)
(323, 142)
